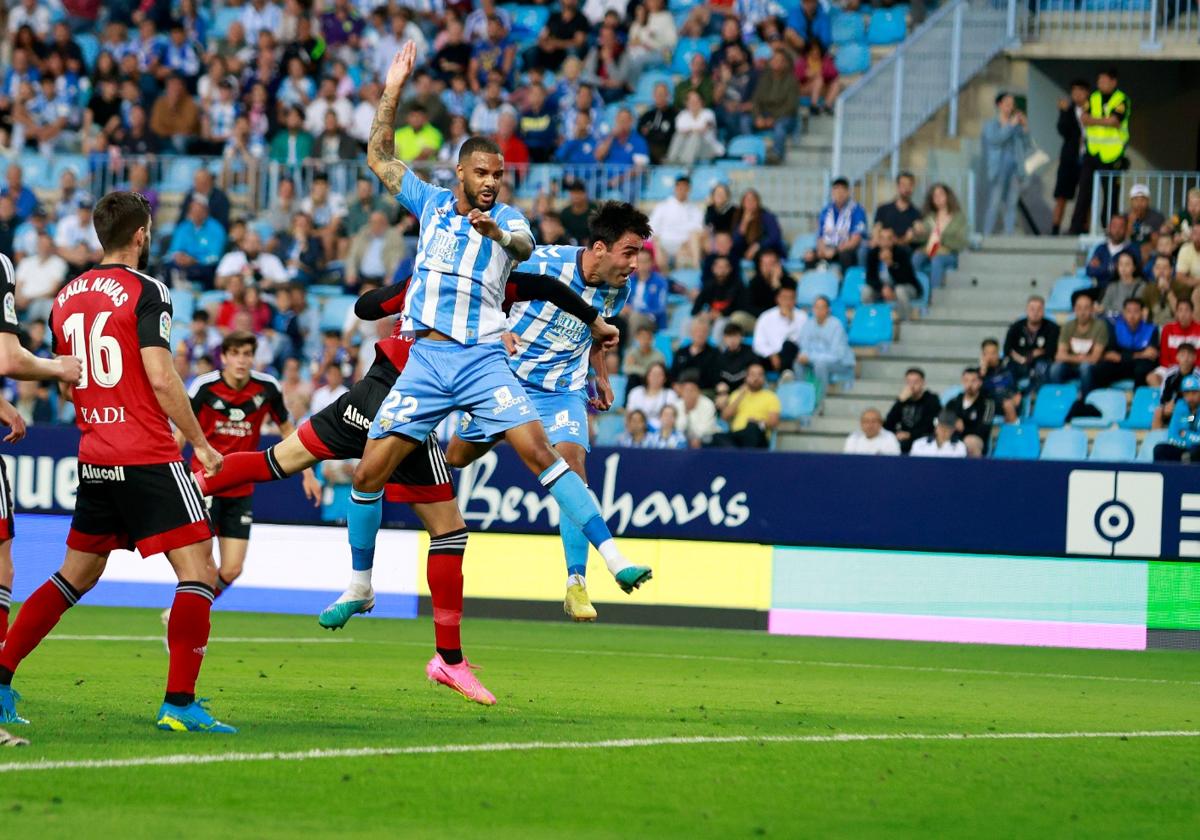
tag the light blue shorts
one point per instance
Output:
(563, 413)
(442, 376)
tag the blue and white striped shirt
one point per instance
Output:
(554, 346)
(459, 276)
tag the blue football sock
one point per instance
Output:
(363, 521)
(575, 547)
(576, 504)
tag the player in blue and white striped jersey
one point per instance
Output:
(552, 354)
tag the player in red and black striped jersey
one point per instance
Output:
(232, 404)
(134, 489)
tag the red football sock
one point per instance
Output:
(444, 573)
(240, 469)
(187, 638)
(37, 617)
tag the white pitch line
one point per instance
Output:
(534, 746)
(257, 640)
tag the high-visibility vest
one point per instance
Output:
(1107, 142)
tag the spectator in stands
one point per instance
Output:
(39, 277)
(418, 139)
(333, 387)
(26, 235)
(607, 68)
(485, 118)
(623, 148)
(751, 411)
(668, 435)
(328, 101)
(641, 356)
(537, 125)
(1102, 267)
(1164, 246)
(807, 23)
(333, 144)
(8, 225)
(1183, 221)
(202, 339)
(824, 348)
(721, 246)
(941, 237)
(1005, 145)
(1183, 330)
(196, 246)
(735, 78)
(900, 215)
(1081, 344)
(175, 116)
(1185, 365)
(872, 438)
(719, 212)
(913, 414)
(495, 54)
(890, 275)
(698, 414)
(755, 228)
(657, 124)
(652, 36)
(769, 277)
(218, 202)
(1128, 284)
(579, 149)
(697, 359)
(577, 212)
(292, 145)
(251, 264)
(699, 80)
(565, 34)
(1031, 343)
(999, 382)
(23, 198)
(678, 226)
(1160, 292)
(776, 103)
(635, 436)
(695, 138)
(1144, 221)
(777, 331)
(327, 209)
(653, 394)
(76, 240)
(1187, 264)
(841, 226)
(734, 358)
(973, 412)
(722, 293)
(551, 230)
(818, 77)
(258, 16)
(1132, 351)
(1070, 157)
(1183, 441)
(647, 295)
(375, 252)
(33, 403)
(46, 117)
(301, 251)
(942, 441)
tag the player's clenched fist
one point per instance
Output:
(70, 369)
(483, 223)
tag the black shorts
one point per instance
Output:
(232, 516)
(153, 508)
(1066, 182)
(8, 527)
(339, 432)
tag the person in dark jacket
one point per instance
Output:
(1132, 351)
(766, 282)
(723, 293)
(913, 414)
(733, 359)
(1070, 157)
(1031, 342)
(890, 275)
(697, 357)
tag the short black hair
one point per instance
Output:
(239, 338)
(613, 219)
(1000, 96)
(477, 143)
(841, 181)
(1138, 301)
(1087, 293)
(201, 315)
(1189, 303)
(1191, 348)
(787, 284)
(1081, 83)
(733, 328)
(988, 341)
(416, 108)
(915, 370)
(1110, 71)
(973, 370)
(117, 217)
(904, 173)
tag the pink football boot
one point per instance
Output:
(460, 678)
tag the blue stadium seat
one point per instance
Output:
(609, 427)
(1117, 445)
(1065, 444)
(685, 48)
(1053, 403)
(798, 400)
(852, 285)
(1151, 439)
(872, 325)
(223, 19)
(1017, 441)
(1060, 293)
(950, 393)
(179, 174)
(888, 26)
(677, 323)
(1111, 403)
(662, 342)
(643, 94)
(527, 20)
(814, 284)
(747, 146)
(849, 28)
(661, 183)
(333, 312)
(852, 59)
(212, 299)
(689, 278)
(802, 243)
(63, 162)
(704, 178)
(1141, 410)
(183, 304)
(89, 45)
(620, 386)
(321, 291)
(35, 171)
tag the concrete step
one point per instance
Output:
(986, 314)
(1028, 264)
(940, 351)
(956, 297)
(940, 373)
(806, 441)
(1031, 244)
(840, 425)
(923, 332)
(1023, 283)
(837, 407)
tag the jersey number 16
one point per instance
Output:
(100, 353)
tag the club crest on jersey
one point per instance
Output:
(236, 414)
(164, 326)
(10, 308)
(258, 401)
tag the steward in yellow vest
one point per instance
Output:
(1106, 132)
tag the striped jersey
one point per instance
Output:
(554, 346)
(459, 276)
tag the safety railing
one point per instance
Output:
(1168, 192)
(900, 93)
(1147, 23)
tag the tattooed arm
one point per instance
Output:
(381, 144)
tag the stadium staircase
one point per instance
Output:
(979, 301)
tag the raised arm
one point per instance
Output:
(381, 143)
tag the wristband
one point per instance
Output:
(505, 239)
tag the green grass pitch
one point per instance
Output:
(793, 701)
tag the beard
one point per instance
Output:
(144, 255)
(473, 199)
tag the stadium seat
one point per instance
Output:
(801, 244)
(210, 300)
(1117, 445)
(35, 170)
(1141, 410)
(609, 427)
(814, 284)
(852, 285)
(689, 278)
(223, 19)
(1065, 445)
(872, 325)
(1053, 403)
(1151, 439)
(798, 400)
(888, 26)
(662, 342)
(1060, 293)
(746, 146)
(685, 48)
(849, 28)
(661, 183)
(1111, 403)
(183, 304)
(77, 163)
(620, 387)
(704, 178)
(179, 174)
(1017, 442)
(527, 20)
(950, 393)
(333, 312)
(89, 45)
(852, 59)
(643, 94)
(677, 323)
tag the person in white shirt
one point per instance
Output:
(39, 277)
(258, 15)
(777, 331)
(333, 388)
(75, 237)
(678, 226)
(940, 444)
(695, 137)
(698, 413)
(327, 209)
(873, 439)
(651, 398)
(327, 100)
(668, 435)
(255, 266)
(32, 14)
